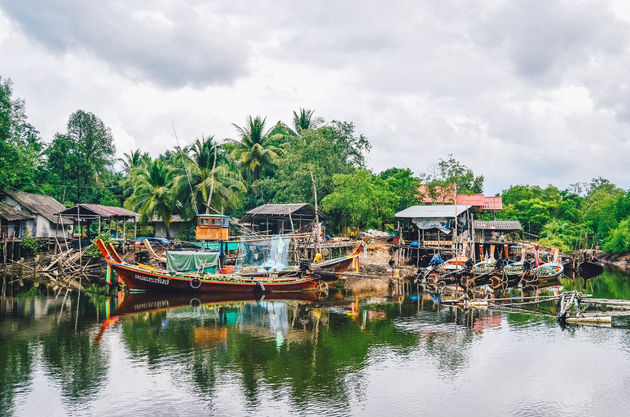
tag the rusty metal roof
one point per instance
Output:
(433, 211)
(100, 210)
(280, 209)
(10, 214)
(497, 225)
(43, 205)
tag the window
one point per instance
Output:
(204, 221)
(216, 221)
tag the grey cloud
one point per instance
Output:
(175, 46)
(543, 39)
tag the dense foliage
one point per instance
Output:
(274, 163)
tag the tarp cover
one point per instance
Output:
(442, 225)
(190, 261)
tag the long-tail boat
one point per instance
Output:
(146, 278)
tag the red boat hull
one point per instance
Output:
(139, 279)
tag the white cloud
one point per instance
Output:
(521, 91)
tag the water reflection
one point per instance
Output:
(340, 355)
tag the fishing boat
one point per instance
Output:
(548, 270)
(141, 277)
(484, 267)
(332, 268)
(590, 269)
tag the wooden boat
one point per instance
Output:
(548, 270)
(453, 264)
(145, 278)
(484, 267)
(335, 267)
(589, 269)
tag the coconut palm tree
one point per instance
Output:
(214, 181)
(134, 159)
(304, 120)
(153, 192)
(255, 151)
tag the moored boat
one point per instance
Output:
(146, 278)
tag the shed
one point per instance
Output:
(433, 225)
(12, 222)
(493, 230)
(85, 214)
(42, 210)
(280, 218)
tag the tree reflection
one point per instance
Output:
(278, 345)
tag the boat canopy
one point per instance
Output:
(191, 261)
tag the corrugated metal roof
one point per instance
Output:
(497, 225)
(98, 210)
(471, 200)
(279, 209)
(437, 211)
(10, 214)
(493, 203)
(110, 211)
(44, 205)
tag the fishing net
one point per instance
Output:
(263, 254)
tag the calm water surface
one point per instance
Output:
(148, 355)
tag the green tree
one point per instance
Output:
(618, 240)
(80, 155)
(451, 171)
(255, 150)
(134, 159)
(153, 193)
(331, 149)
(402, 183)
(216, 184)
(360, 200)
(304, 120)
(19, 142)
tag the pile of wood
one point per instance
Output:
(64, 270)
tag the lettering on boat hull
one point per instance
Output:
(152, 280)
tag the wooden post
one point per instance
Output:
(36, 269)
(21, 272)
(316, 230)
(418, 251)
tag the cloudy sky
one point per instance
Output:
(522, 91)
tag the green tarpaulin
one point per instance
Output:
(190, 261)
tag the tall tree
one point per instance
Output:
(255, 150)
(19, 142)
(215, 183)
(82, 153)
(153, 192)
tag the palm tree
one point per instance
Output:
(134, 159)
(152, 192)
(255, 151)
(214, 182)
(304, 120)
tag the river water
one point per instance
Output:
(342, 355)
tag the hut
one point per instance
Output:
(434, 225)
(280, 218)
(42, 210)
(12, 222)
(496, 231)
(86, 214)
